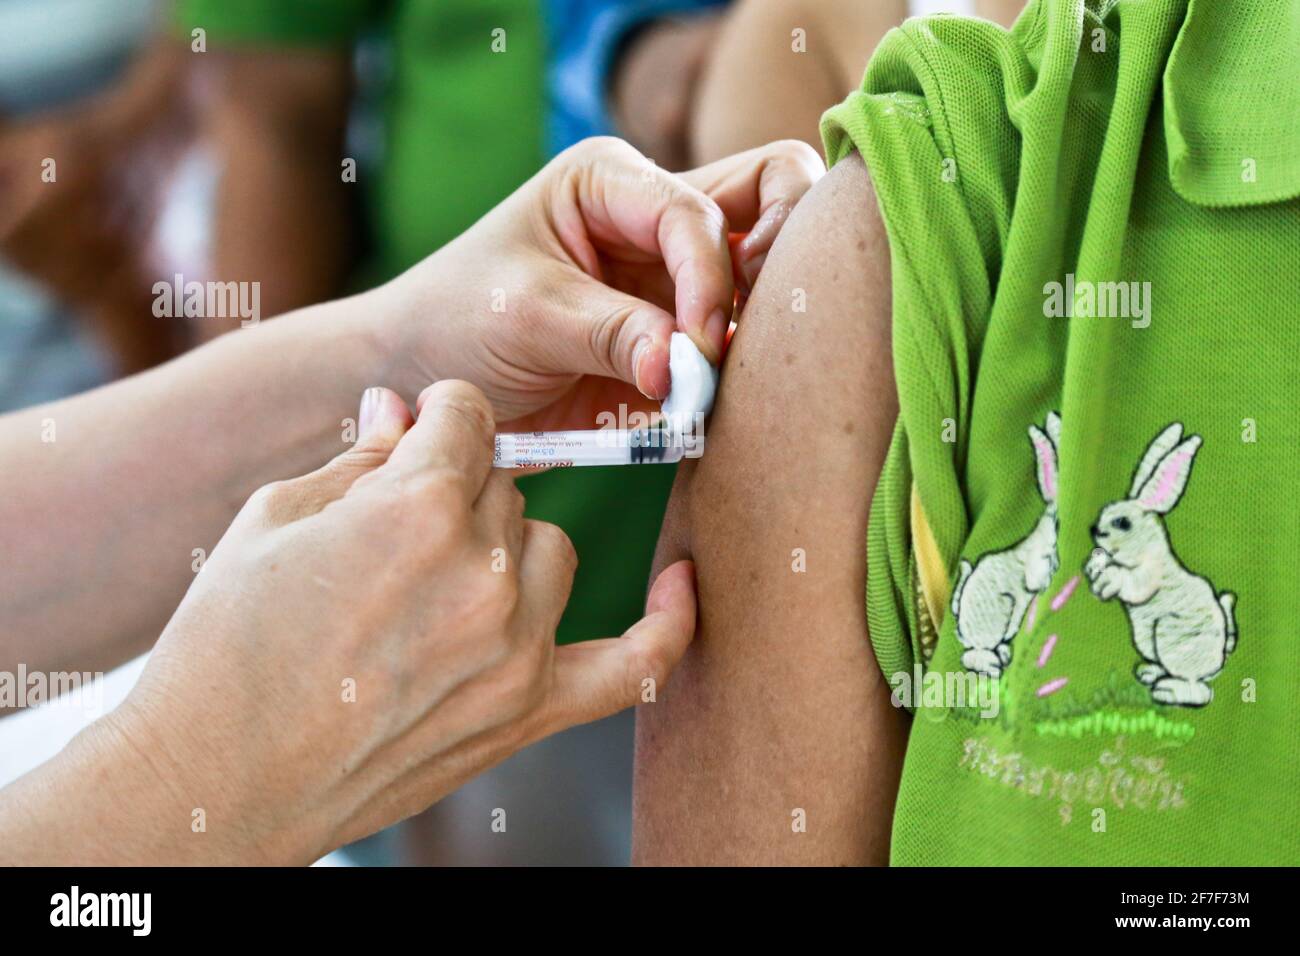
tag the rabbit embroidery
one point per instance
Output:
(991, 598)
(1182, 629)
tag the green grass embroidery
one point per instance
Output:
(1111, 721)
(1118, 692)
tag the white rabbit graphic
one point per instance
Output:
(991, 598)
(1182, 629)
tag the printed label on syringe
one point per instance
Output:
(536, 450)
(641, 446)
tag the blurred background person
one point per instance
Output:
(87, 132)
(774, 66)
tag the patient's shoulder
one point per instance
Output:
(807, 397)
(814, 338)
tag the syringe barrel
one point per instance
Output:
(572, 449)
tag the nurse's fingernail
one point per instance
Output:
(750, 269)
(651, 377)
(638, 357)
(715, 333)
(369, 407)
(767, 228)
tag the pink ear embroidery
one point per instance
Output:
(1046, 458)
(1170, 469)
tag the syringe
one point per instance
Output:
(612, 446)
(679, 435)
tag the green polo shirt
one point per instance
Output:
(1088, 522)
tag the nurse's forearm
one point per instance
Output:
(103, 802)
(108, 500)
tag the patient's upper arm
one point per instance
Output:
(779, 706)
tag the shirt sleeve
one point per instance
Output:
(943, 182)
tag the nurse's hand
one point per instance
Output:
(563, 298)
(364, 639)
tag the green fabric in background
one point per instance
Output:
(612, 515)
(1148, 141)
(290, 22)
(463, 127)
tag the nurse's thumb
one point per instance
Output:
(597, 330)
(382, 420)
(594, 679)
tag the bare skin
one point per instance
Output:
(367, 636)
(763, 82)
(246, 711)
(760, 84)
(654, 85)
(779, 705)
(105, 497)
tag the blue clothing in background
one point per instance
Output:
(584, 38)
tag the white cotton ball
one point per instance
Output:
(694, 384)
